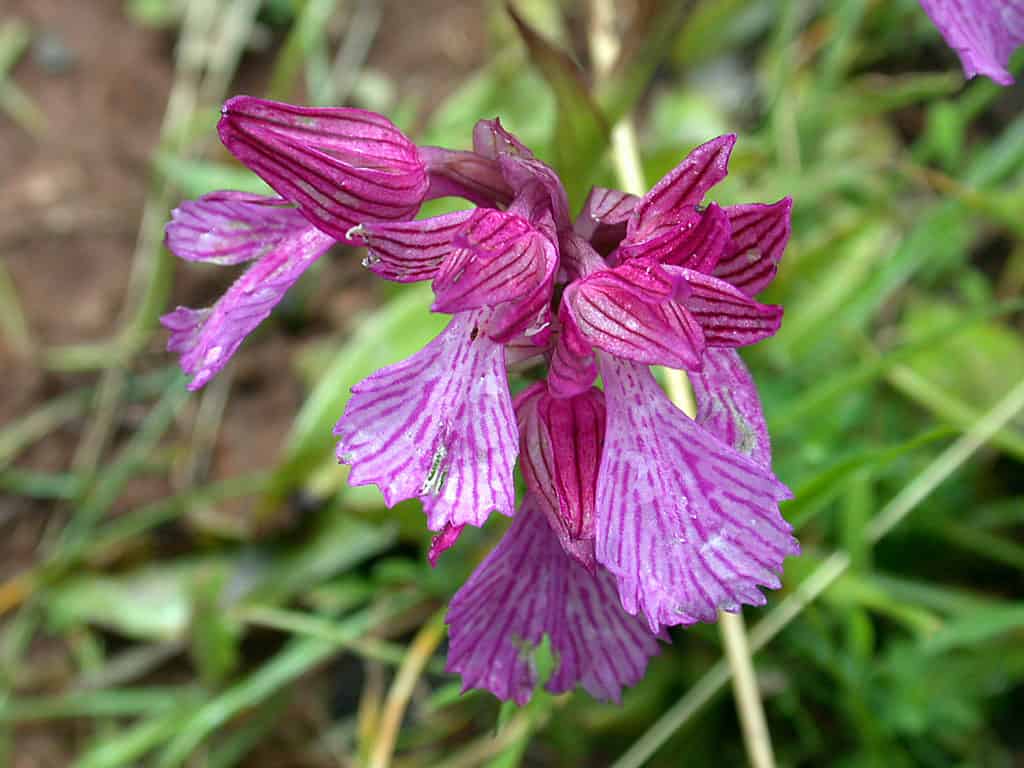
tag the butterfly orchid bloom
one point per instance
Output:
(635, 516)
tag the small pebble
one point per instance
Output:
(51, 53)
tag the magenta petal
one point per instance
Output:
(760, 234)
(697, 244)
(443, 542)
(438, 426)
(527, 588)
(673, 199)
(604, 216)
(453, 172)
(527, 175)
(727, 316)
(206, 339)
(341, 166)
(570, 373)
(629, 313)
(560, 448)
(984, 33)
(496, 257)
(231, 227)
(408, 251)
(491, 140)
(687, 525)
(728, 405)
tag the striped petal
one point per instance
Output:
(604, 216)
(527, 588)
(729, 407)
(456, 173)
(697, 242)
(496, 257)
(438, 426)
(984, 33)
(341, 166)
(444, 541)
(408, 251)
(231, 227)
(629, 312)
(727, 316)
(206, 339)
(673, 200)
(760, 234)
(686, 524)
(570, 373)
(559, 451)
(520, 167)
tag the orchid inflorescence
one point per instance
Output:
(635, 516)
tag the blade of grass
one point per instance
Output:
(415, 662)
(298, 657)
(311, 625)
(111, 480)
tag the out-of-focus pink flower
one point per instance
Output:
(984, 33)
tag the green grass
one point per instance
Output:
(897, 639)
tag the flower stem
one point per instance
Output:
(756, 737)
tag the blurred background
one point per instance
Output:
(186, 580)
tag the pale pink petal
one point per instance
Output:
(231, 227)
(759, 237)
(687, 525)
(206, 339)
(527, 588)
(408, 251)
(728, 405)
(341, 166)
(438, 426)
(984, 33)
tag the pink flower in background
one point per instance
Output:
(636, 517)
(984, 33)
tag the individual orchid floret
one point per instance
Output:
(438, 426)
(984, 33)
(687, 524)
(528, 588)
(560, 449)
(341, 166)
(232, 228)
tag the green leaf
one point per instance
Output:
(150, 603)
